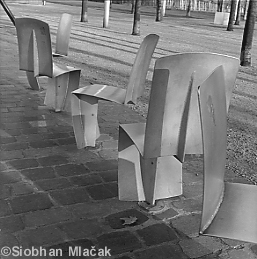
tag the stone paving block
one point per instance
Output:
(11, 155)
(192, 177)
(240, 254)
(14, 146)
(85, 180)
(84, 228)
(7, 140)
(103, 165)
(30, 202)
(14, 132)
(188, 224)
(22, 163)
(168, 214)
(101, 192)
(100, 208)
(193, 190)
(119, 242)
(3, 166)
(8, 240)
(112, 187)
(21, 188)
(43, 143)
(66, 141)
(70, 196)
(4, 208)
(41, 236)
(5, 191)
(104, 137)
(157, 234)
(52, 160)
(53, 184)
(33, 131)
(211, 243)
(47, 217)
(10, 177)
(193, 249)
(254, 249)
(109, 154)
(11, 224)
(57, 135)
(16, 125)
(111, 144)
(115, 220)
(109, 176)
(169, 251)
(71, 170)
(190, 205)
(39, 173)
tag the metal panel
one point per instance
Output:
(229, 209)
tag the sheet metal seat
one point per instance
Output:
(85, 99)
(151, 154)
(35, 57)
(229, 209)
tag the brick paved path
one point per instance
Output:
(55, 196)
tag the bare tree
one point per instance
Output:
(245, 57)
(132, 6)
(232, 15)
(136, 23)
(188, 13)
(84, 16)
(158, 10)
(238, 14)
(219, 5)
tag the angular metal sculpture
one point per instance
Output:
(63, 35)
(61, 47)
(172, 129)
(85, 99)
(229, 209)
(35, 57)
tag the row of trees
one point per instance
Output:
(246, 47)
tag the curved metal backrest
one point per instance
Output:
(212, 101)
(140, 68)
(172, 108)
(25, 28)
(63, 34)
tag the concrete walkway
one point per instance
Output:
(61, 201)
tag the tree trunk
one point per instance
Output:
(132, 6)
(8, 11)
(232, 15)
(245, 57)
(188, 13)
(136, 23)
(158, 10)
(245, 9)
(238, 14)
(84, 16)
(220, 5)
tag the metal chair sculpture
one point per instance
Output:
(63, 35)
(35, 57)
(151, 154)
(229, 209)
(85, 99)
(61, 46)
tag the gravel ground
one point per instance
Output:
(106, 55)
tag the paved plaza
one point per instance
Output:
(62, 200)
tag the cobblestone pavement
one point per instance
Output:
(59, 199)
